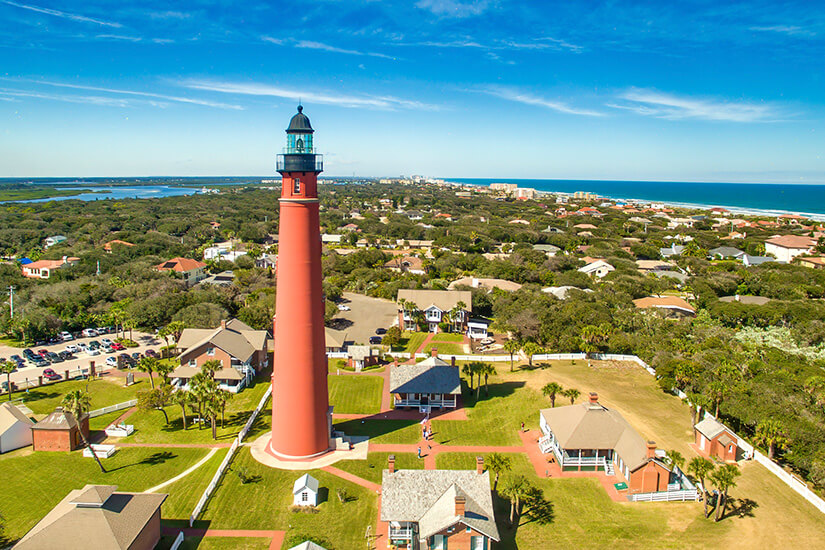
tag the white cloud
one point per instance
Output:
(512, 94)
(93, 100)
(272, 40)
(454, 8)
(672, 107)
(257, 89)
(791, 30)
(164, 99)
(308, 44)
(168, 15)
(63, 14)
(118, 37)
(546, 43)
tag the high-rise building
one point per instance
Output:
(301, 416)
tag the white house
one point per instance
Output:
(305, 491)
(222, 251)
(788, 247)
(599, 268)
(436, 306)
(53, 240)
(15, 428)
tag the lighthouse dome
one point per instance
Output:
(300, 123)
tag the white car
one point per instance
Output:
(72, 348)
(89, 333)
(82, 346)
(66, 336)
(111, 361)
(107, 348)
(91, 351)
(105, 341)
(342, 307)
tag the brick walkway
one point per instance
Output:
(178, 445)
(352, 478)
(276, 537)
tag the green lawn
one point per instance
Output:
(103, 392)
(102, 421)
(371, 468)
(355, 394)
(448, 337)
(34, 482)
(467, 461)
(150, 426)
(265, 504)
(184, 494)
(413, 340)
(445, 348)
(383, 431)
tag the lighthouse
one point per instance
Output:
(301, 416)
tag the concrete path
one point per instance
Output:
(276, 537)
(352, 478)
(178, 445)
(183, 474)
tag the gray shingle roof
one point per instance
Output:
(428, 498)
(59, 420)
(429, 376)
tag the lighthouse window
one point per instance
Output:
(296, 186)
(300, 144)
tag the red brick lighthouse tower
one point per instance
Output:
(301, 421)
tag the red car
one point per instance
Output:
(49, 374)
(117, 346)
(43, 352)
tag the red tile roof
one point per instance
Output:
(792, 241)
(180, 265)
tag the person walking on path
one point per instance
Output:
(419, 452)
(522, 426)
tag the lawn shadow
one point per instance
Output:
(742, 507)
(373, 428)
(496, 390)
(153, 459)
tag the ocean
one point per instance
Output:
(746, 198)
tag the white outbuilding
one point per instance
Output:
(15, 428)
(308, 545)
(305, 491)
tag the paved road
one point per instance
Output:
(146, 341)
(366, 314)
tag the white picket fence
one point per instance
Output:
(112, 408)
(178, 541)
(665, 496)
(216, 479)
(337, 355)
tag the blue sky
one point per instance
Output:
(705, 91)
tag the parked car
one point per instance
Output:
(5, 386)
(28, 353)
(49, 374)
(66, 336)
(151, 353)
(106, 341)
(342, 307)
(89, 333)
(111, 361)
(94, 344)
(72, 348)
(375, 339)
(117, 346)
(55, 358)
(41, 363)
(16, 358)
(82, 346)
(101, 330)
(380, 331)
(127, 359)
(54, 340)
(107, 349)
(92, 351)
(136, 356)
(43, 352)
(65, 354)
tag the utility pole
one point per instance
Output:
(11, 300)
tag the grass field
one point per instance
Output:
(184, 494)
(448, 337)
(445, 348)
(383, 431)
(371, 468)
(34, 482)
(356, 394)
(150, 426)
(103, 392)
(412, 341)
(265, 504)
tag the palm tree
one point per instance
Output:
(701, 468)
(592, 337)
(209, 368)
(512, 347)
(487, 369)
(498, 464)
(200, 386)
(515, 488)
(165, 333)
(530, 349)
(182, 398)
(771, 434)
(78, 402)
(164, 368)
(222, 397)
(572, 394)
(550, 390)
(725, 479)
(718, 389)
(676, 459)
(149, 365)
(469, 371)
(8, 367)
(696, 402)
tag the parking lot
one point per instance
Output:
(364, 316)
(80, 361)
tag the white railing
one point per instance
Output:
(401, 533)
(178, 541)
(584, 461)
(228, 459)
(113, 408)
(665, 496)
(337, 354)
(430, 403)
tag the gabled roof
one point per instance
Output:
(595, 266)
(237, 339)
(94, 517)
(445, 300)
(11, 415)
(664, 302)
(725, 252)
(305, 481)
(333, 338)
(180, 265)
(58, 420)
(594, 426)
(428, 497)
(709, 427)
(429, 376)
(792, 241)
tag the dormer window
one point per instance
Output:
(210, 351)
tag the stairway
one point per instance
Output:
(340, 442)
(608, 468)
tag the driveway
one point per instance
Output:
(81, 360)
(366, 314)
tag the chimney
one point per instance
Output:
(479, 465)
(391, 464)
(452, 361)
(459, 506)
(223, 323)
(594, 398)
(651, 449)
(434, 352)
